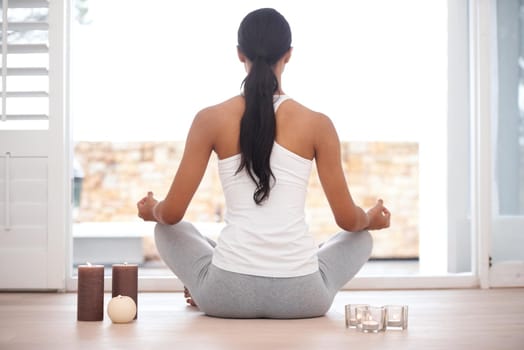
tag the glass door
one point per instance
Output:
(507, 241)
(382, 74)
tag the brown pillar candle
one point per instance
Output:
(125, 282)
(90, 294)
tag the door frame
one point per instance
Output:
(59, 215)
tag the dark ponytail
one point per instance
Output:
(264, 37)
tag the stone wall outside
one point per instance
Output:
(117, 175)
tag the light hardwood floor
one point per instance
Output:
(438, 319)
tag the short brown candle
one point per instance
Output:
(125, 282)
(90, 294)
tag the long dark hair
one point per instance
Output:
(264, 36)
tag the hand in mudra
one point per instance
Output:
(379, 216)
(145, 207)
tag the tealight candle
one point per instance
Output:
(373, 319)
(121, 309)
(370, 325)
(90, 293)
(397, 316)
(125, 282)
(353, 314)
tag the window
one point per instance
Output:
(381, 74)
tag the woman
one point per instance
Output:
(265, 263)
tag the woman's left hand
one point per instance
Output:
(379, 216)
(145, 207)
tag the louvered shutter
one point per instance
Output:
(25, 64)
(33, 143)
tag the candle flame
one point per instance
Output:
(88, 263)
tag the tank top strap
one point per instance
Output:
(278, 99)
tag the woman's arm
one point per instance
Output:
(198, 148)
(348, 215)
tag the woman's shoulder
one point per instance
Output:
(220, 118)
(300, 129)
(305, 113)
(232, 104)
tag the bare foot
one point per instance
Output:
(188, 297)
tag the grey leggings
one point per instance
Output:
(228, 294)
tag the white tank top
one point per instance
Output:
(271, 239)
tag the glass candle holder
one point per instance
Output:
(352, 317)
(373, 319)
(397, 316)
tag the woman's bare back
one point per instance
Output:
(295, 127)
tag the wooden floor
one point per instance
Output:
(438, 319)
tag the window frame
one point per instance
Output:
(471, 68)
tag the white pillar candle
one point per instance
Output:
(121, 309)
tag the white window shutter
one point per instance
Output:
(33, 145)
(25, 64)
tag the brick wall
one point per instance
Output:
(117, 175)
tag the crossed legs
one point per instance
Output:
(226, 294)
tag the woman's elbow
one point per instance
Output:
(346, 224)
(172, 218)
(349, 224)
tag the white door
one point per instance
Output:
(507, 241)
(34, 182)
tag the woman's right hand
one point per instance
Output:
(379, 216)
(145, 207)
